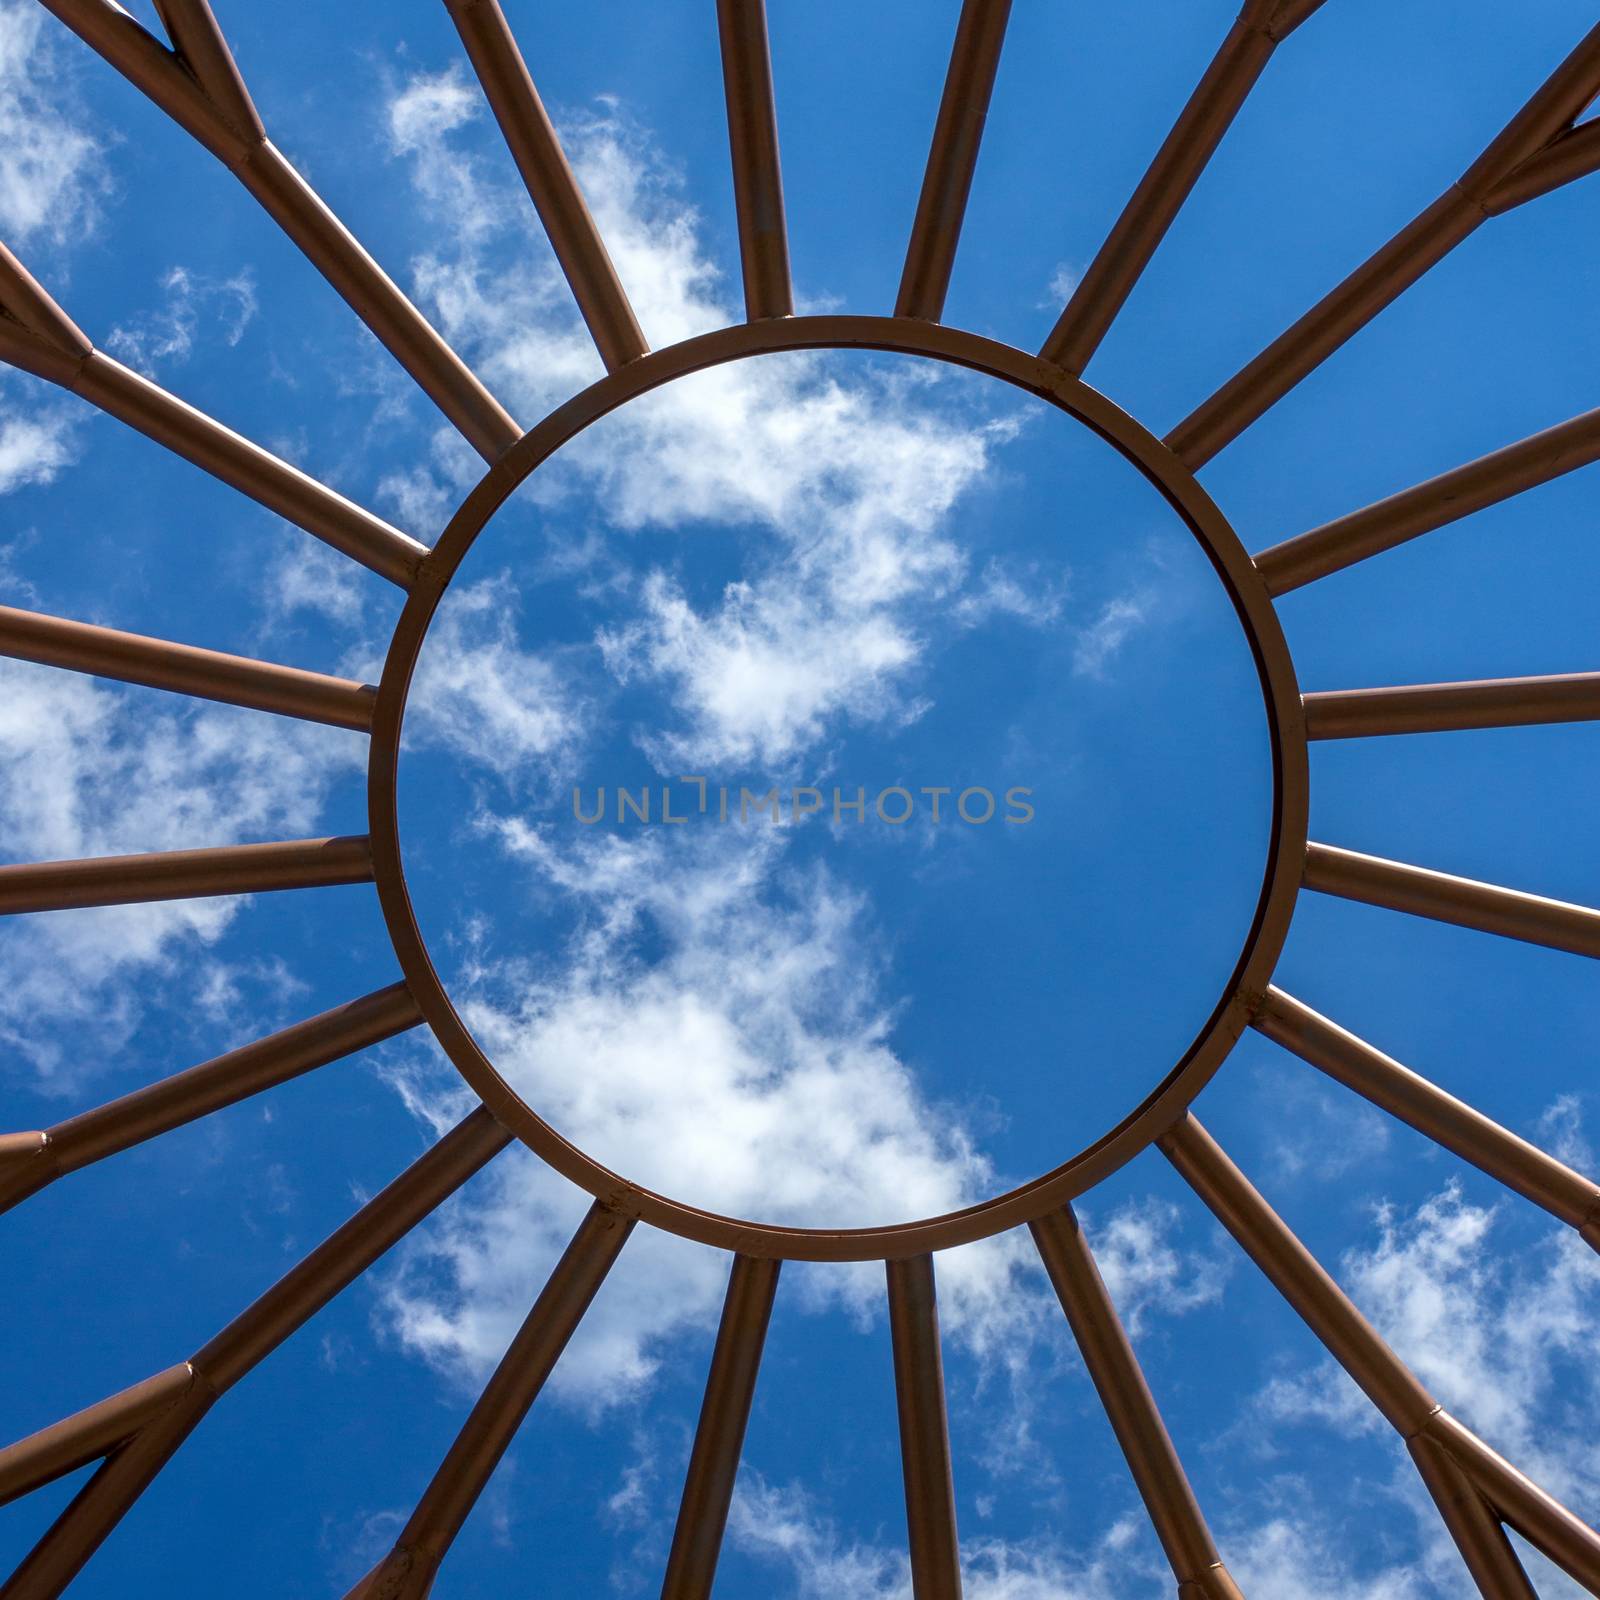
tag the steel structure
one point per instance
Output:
(192, 76)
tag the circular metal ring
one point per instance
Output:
(1285, 862)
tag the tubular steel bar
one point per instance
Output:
(1434, 504)
(1423, 893)
(1437, 707)
(1472, 1523)
(532, 140)
(1427, 1108)
(1107, 1353)
(952, 159)
(724, 1416)
(184, 874)
(408, 1571)
(198, 85)
(36, 1159)
(79, 1531)
(73, 1442)
(1104, 288)
(38, 336)
(753, 141)
(1494, 182)
(185, 669)
(1358, 1348)
(924, 1432)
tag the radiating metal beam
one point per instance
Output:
(719, 1439)
(408, 1571)
(1387, 1381)
(1442, 500)
(1462, 901)
(184, 874)
(30, 1161)
(1480, 192)
(1427, 1108)
(87, 1435)
(1157, 1472)
(531, 138)
(1104, 288)
(952, 159)
(1437, 707)
(924, 1431)
(753, 141)
(1472, 1523)
(185, 669)
(40, 338)
(80, 1530)
(199, 86)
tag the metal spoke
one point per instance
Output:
(924, 1431)
(1162, 1483)
(1437, 707)
(407, 1573)
(297, 1297)
(185, 669)
(1427, 1108)
(952, 159)
(1376, 1369)
(1104, 288)
(38, 336)
(1471, 1522)
(200, 88)
(724, 1416)
(757, 175)
(184, 874)
(1468, 904)
(532, 140)
(29, 1161)
(1434, 504)
(1488, 186)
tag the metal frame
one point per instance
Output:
(192, 76)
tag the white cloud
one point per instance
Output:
(168, 333)
(90, 770)
(1100, 641)
(51, 171)
(34, 448)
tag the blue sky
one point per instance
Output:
(805, 570)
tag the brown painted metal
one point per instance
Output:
(200, 88)
(924, 1431)
(185, 669)
(1118, 1379)
(33, 1160)
(719, 1439)
(41, 339)
(184, 874)
(1437, 707)
(1472, 1523)
(531, 138)
(407, 1573)
(1104, 288)
(1286, 839)
(1569, 156)
(1434, 504)
(1468, 904)
(75, 1441)
(1384, 276)
(297, 1297)
(952, 159)
(1427, 1108)
(757, 174)
(1358, 1348)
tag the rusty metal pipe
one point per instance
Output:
(724, 1416)
(185, 669)
(924, 1430)
(1462, 901)
(952, 159)
(757, 173)
(184, 874)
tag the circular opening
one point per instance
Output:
(836, 790)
